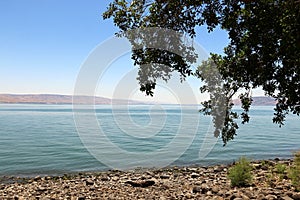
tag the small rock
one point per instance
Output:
(271, 197)
(196, 189)
(218, 169)
(204, 188)
(228, 193)
(286, 198)
(41, 189)
(215, 189)
(89, 182)
(279, 187)
(81, 198)
(193, 169)
(232, 197)
(150, 173)
(143, 184)
(105, 178)
(261, 197)
(289, 193)
(194, 175)
(296, 196)
(198, 183)
(245, 197)
(164, 176)
(217, 198)
(256, 165)
(264, 167)
(221, 193)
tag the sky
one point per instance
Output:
(45, 43)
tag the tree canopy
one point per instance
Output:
(263, 51)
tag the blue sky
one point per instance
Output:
(43, 44)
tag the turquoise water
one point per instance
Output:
(43, 140)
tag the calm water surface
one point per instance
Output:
(42, 139)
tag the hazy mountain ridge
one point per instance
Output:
(259, 101)
(68, 99)
(60, 99)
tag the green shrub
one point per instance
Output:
(294, 172)
(264, 163)
(280, 168)
(240, 173)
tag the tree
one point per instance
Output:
(264, 50)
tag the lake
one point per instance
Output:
(51, 139)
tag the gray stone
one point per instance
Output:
(215, 189)
(194, 175)
(89, 182)
(105, 178)
(150, 173)
(218, 169)
(271, 197)
(245, 197)
(261, 197)
(204, 188)
(264, 167)
(164, 176)
(286, 198)
(196, 189)
(296, 196)
(235, 196)
(41, 189)
(143, 184)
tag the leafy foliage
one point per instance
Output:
(240, 173)
(264, 51)
(280, 168)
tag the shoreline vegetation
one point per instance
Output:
(270, 179)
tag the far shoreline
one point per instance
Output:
(61, 174)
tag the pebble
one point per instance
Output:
(215, 189)
(271, 197)
(164, 176)
(89, 182)
(286, 198)
(194, 175)
(296, 196)
(196, 189)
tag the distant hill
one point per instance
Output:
(259, 101)
(60, 99)
(67, 99)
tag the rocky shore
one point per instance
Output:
(192, 182)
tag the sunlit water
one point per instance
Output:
(42, 139)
